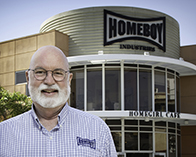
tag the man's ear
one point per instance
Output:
(27, 76)
(70, 78)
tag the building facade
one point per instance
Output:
(128, 68)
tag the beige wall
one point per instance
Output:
(188, 141)
(188, 103)
(15, 55)
(188, 83)
(188, 53)
(188, 94)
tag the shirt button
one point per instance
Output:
(61, 126)
(51, 137)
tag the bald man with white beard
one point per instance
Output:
(52, 127)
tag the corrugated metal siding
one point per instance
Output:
(86, 31)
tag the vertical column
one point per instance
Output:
(153, 136)
(175, 92)
(123, 134)
(122, 85)
(166, 92)
(138, 92)
(153, 87)
(85, 88)
(103, 87)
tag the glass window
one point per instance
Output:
(94, 89)
(172, 145)
(77, 89)
(171, 92)
(179, 146)
(130, 89)
(20, 77)
(160, 95)
(157, 129)
(145, 129)
(143, 122)
(131, 141)
(112, 89)
(115, 128)
(178, 93)
(138, 155)
(131, 128)
(172, 125)
(145, 90)
(160, 123)
(113, 122)
(160, 142)
(117, 137)
(131, 122)
(146, 141)
(27, 90)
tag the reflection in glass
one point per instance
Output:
(131, 122)
(171, 92)
(179, 146)
(77, 89)
(138, 155)
(160, 129)
(178, 93)
(146, 141)
(145, 90)
(131, 141)
(117, 137)
(160, 123)
(94, 89)
(160, 95)
(172, 145)
(112, 89)
(113, 122)
(143, 122)
(160, 142)
(130, 89)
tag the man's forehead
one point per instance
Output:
(49, 55)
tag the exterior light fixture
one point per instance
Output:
(100, 52)
(146, 54)
(186, 122)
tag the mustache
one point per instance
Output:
(45, 87)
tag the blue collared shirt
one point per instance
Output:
(77, 134)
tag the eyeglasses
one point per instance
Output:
(57, 74)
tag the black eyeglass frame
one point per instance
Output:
(46, 71)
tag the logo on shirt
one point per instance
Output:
(86, 142)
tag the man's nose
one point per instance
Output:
(49, 80)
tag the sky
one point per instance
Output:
(20, 18)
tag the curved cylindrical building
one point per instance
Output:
(127, 69)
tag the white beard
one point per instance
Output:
(49, 102)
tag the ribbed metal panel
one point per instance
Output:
(85, 28)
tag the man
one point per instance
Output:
(52, 128)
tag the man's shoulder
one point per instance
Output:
(16, 120)
(85, 115)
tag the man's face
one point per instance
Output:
(49, 93)
(49, 96)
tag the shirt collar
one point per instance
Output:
(63, 114)
(61, 117)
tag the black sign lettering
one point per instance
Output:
(119, 27)
(137, 47)
(155, 114)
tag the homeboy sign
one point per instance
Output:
(154, 114)
(119, 27)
